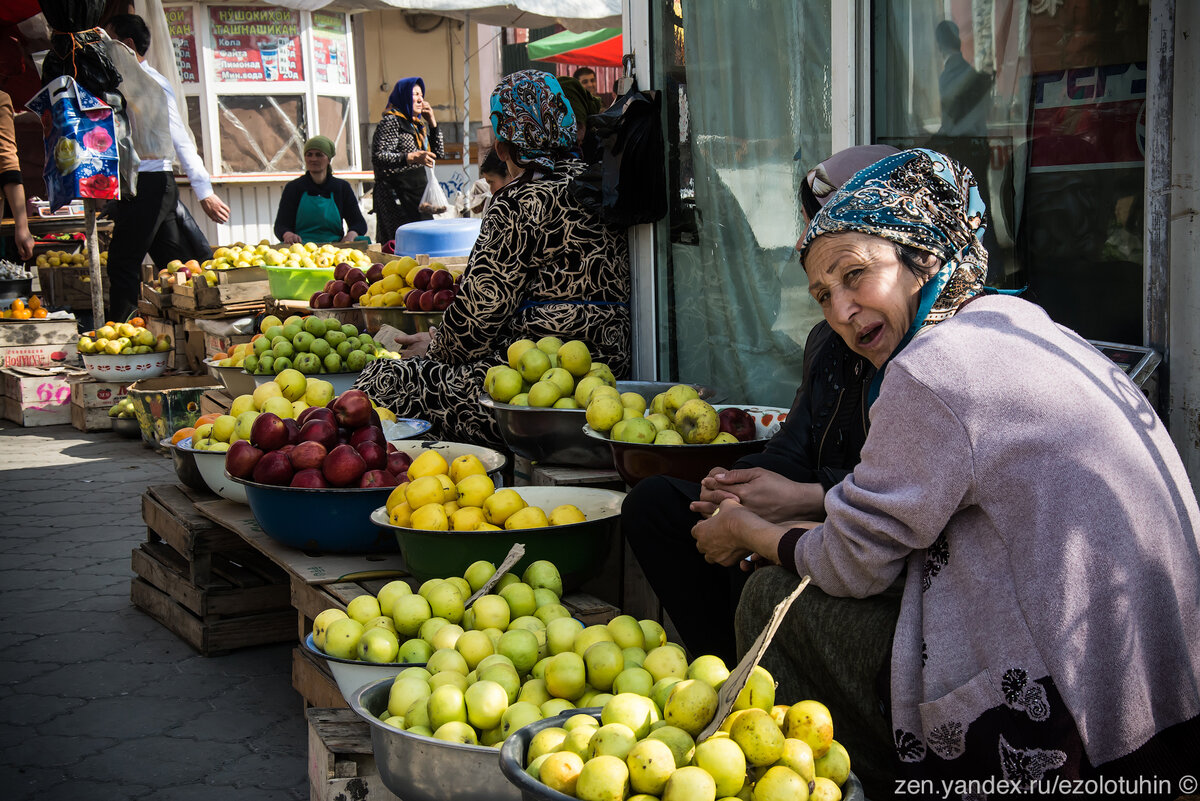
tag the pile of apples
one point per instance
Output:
(404, 282)
(345, 288)
(114, 339)
(60, 258)
(308, 256)
(548, 373)
(461, 496)
(339, 445)
(312, 345)
(677, 416)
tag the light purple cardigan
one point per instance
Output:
(1047, 524)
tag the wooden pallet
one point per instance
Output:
(171, 517)
(213, 636)
(313, 681)
(242, 581)
(199, 295)
(341, 764)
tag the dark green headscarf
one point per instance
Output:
(583, 102)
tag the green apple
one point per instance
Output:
(591, 635)
(575, 358)
(445, 601)
(834, 764)
(651, 762)
(520, 599)
(612, 739)
(579, 740)
(292, 383)
(321, 625)
(584, 388)
(560, 772)
(824, 789)
(503, 674)
(798, 756)
(341, 638)
(474, 645)
(760, 739)
(363, 608)
(478, 573)
(674, 399)
(534, 691)
(661, 422)
(415, 651)
(414, 672)
(548, 612)
(381, 622)
(666, 660)
(378, 645)
(532, 364)
(604, 661)
(697, 422)
(668, 437)
(543, 596)
(709, 669)
(561, 633)
(318, 392)
(661, 690)
(449, 677)
(223, 427)
(431, 627)
(691, 706)
(549, 345)
(605, 778)
(546, 741)
(811, 722)
(679, 741)
(759, 693)
(518, 715)
(635, 711)
(521, 646)
(633, 680)
(634, 657)
(245, 421)
(491, 611)
(456, 731)
(634, 429)
(691, 783)
(566, 675)
(544, 394)
(779, 783)
(446, 659)
(388, 594)
(446, 703)
(506, 385)
(446, 637)
(625, 631)
(516, 349)
(582, 719)
(555, 706)
(543, 575)
(404, 693)
(604, 412)
(409, 612)
(486, 702)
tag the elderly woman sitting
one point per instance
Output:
(1026, 491)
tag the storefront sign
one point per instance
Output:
(253, 43)
(183, 39)
(1090, 116)
(331, 51)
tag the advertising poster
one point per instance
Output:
(255, 43)
(331, 51)
(183, 39)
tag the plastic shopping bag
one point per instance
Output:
(434, 200)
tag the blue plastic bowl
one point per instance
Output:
(438, 238)
(322, 520)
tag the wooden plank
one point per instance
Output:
(637, 596)
(215, 401)
(341, 764)
(588, 608)
(544, 475)
(161, 566)
(314, 683)
(170, 514)
(210, 637)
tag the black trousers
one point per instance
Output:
(700, 597)
(145, 223)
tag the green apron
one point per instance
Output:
(318, 219)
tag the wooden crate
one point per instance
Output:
(242, 582)
(341, 764)
(90, 419)
(199, 295)
(215, 635)
(171, 517)
(215, 401)
(313, 681)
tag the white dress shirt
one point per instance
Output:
(185, 151)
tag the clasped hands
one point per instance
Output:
(412, 345)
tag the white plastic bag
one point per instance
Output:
(434, 200)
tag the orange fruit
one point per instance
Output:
(39, 313)
(182, 433)
(22, 314)
(138, 321)
(207, 418)
(216, 357)
(17, 305)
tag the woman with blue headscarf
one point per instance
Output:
(1025, 491)
(543, 266)
(406, 141)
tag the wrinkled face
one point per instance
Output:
(315, 161)
(868, 295)
(418, 97)
(588, 82)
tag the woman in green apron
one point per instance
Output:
(313, 207)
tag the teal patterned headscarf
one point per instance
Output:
(926, 200)
(530, 111)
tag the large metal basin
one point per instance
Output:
(418, 768)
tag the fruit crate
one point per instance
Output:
(170, 514)
(341, 763)
(199, 295)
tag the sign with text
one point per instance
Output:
(183, 40)
(331, 49)
(253, 43)
(1089, 117)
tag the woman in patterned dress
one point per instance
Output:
(1049, 628)
(543, 265)
(406, 141)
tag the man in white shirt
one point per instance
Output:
(147, 222)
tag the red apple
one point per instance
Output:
(342, 300)
(391, 447)
(274, 468)
(377, 478)
(441, 279)
(427, 300)
(317, 413)
(336, 286)
(322, 300)
(339, 272)
(293, 428)
(343, 466)
(241, 459)
(354, 275)
(352, 408)
(421, 279)
(369, 433)
(307, 455)
(312, 301)
(374, 273)
(442, 298)
(309, 479)
(269, 433)
(374, 455)
(398, 462)
(738, 422)
(319, 430)
(412, 301)
(358, 289)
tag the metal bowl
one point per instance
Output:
(13, 288)
(186, 467)
(513, 750)
(211, 466)
(341, 381)
(332, 520)
(418, 768)
(555, 436)
(235, 379)
(126, 367)
(398, 317)
(127, 427)
(351, 674)
(635, 460)
(578, 549)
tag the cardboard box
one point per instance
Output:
(165, 405)
(38, 355)
(17, 333)
(90, 419)
(36, 396)
(91, 393)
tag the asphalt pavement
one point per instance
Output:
(98, 701)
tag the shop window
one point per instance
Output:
(195, 123)
(262, 133)
(1046, 104)
(745, 88)
(333, 119)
